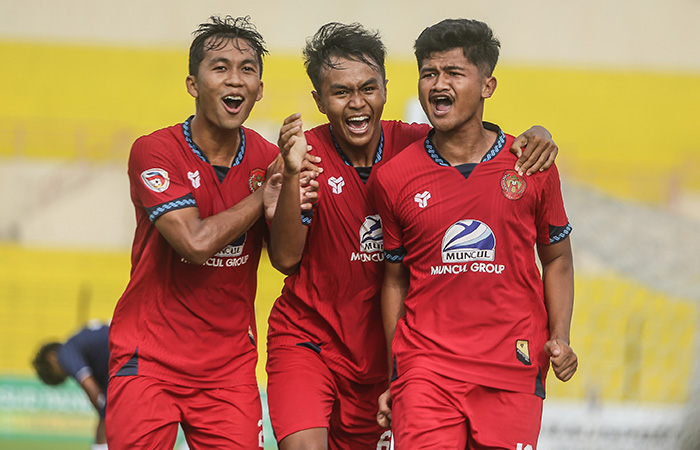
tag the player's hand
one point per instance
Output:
(275, 166)
(271, 193)
(535, 150)
(384, 413)
(564, 360)
(292, 144)
(308, 185)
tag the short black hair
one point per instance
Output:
(43, 366)
(475, 39)
(215, 34)
(338, 40)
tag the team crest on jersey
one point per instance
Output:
(256, 179)
(156, 179)
(522, 351)
(513, 185)
(468, 240)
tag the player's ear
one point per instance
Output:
(319, 102)
(191, 83)
(489, 87)
(260, 92)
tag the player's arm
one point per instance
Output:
(394, 290)
(535, 149)
(101, 434)
(558, 279)
(94, 392)
(287, 233)
(197, 239)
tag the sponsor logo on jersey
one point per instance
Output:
(422, 199)
(194, 178)
(337, 184)
(513, 185)
(464, 245)
(156, 179)
(522, 351)
(468, 240)
(233, 249)
(256, 179)
(229, 256)
(371, 241)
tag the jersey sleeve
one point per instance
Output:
(391, 231)
(551, 220)
(156, 185)
(71, 356)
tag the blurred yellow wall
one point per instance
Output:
(631, 133)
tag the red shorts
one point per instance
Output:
(144, 413)
(303, 393)
(430, 411)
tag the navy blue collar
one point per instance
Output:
(493, 151)
(377, 156)
(187, 131)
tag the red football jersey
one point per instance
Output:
(475, 307)
(331, 303)
(192, 325)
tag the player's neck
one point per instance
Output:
(218, 144)
(360, 156)
(464, 145)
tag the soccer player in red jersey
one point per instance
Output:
(474, 324)
(183, 335)
(326, 358)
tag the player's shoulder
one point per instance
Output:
(398, 125)
(159, 140)
(403, 161)
(259, 143)
(320, 139)
(319, 133)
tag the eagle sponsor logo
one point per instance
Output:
(465, 247)
(256, 179)
(156, 179)
(468, 240)
(371, 241)
(513, 185)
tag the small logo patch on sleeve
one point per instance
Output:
(522, 351)
(156, 179)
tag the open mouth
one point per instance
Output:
(233, 102)
(441, 104)
(358, 124)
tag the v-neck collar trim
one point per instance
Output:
(378, 155)
(187, 131)
(493, 151)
